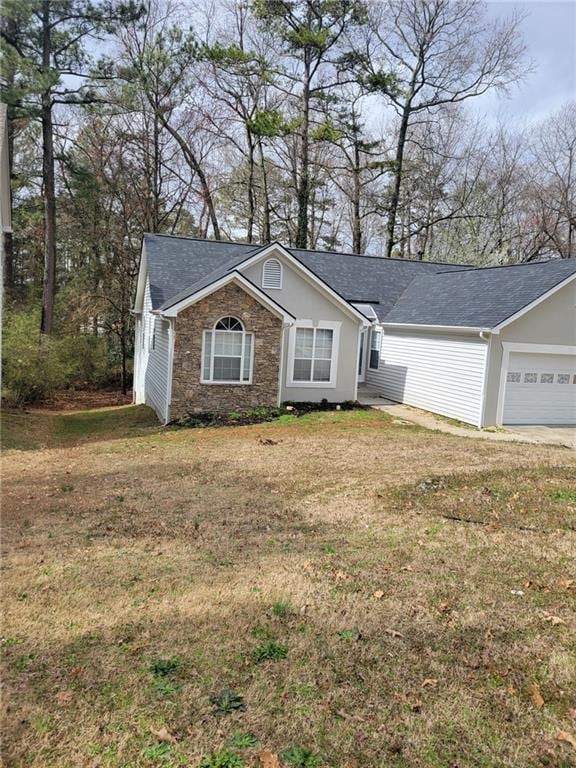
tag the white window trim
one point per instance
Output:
(243, 383)
(320, 324)
(373, 331)
(280, 265)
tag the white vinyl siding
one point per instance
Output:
(158, 370)
(443, 374)
(540, 389)
(154, 363)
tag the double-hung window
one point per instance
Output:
(313, 355)
(227, 353)
(375, 344)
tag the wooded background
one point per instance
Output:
(326, 124)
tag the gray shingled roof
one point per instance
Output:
(400, 291)
(368, 279)
(179, 266)
(176, 263)
(480, 298)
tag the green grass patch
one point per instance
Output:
(31, 430)
(270, 651)
(567, 495)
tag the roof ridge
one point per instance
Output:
(307, 250)
(506, 266)
(379, 258)
(201, 239)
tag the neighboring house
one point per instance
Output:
(225, 326)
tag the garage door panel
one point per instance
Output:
(540, 389)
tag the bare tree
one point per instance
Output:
(553, 184)
(159, 61)
(426, 53)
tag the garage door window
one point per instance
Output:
(513, 377)
(530, 378)
(546, 378)
(563, 378)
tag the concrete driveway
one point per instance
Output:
(550, 435)
(555, 435)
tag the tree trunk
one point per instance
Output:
(251, 201)
(195, 166)
(266, 232)
(398, 161)
(49, 185)
(124, 361)
(357, 245)
(8, 271)
(156, 170)
(303, 190)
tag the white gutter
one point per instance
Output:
(451, 328)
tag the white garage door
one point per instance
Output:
(540, 389)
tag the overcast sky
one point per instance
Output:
(549, 31)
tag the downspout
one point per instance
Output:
(358, 344)
(283, 355)
(171, 340)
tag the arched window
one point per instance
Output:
(272, 274)
(227, 353)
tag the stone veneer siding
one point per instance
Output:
(188, 394)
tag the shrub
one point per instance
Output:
(32, 366)
(35, 366)
(86, 357)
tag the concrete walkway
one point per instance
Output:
(564, 436)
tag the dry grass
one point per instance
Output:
(141, 576)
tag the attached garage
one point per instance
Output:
(485, 346)
(540, 388)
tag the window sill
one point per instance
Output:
(313, 384)
(227, 383)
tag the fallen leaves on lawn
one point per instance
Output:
(379, 594)
(268, 759)
(430, 682)
(64, 697)
(554, 620)
(536, 696)
(163, 734)
(393, 633)
(567, 737)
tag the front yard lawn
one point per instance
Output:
(343, 590)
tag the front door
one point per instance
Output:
(362, 357)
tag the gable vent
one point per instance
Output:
(272, 274)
